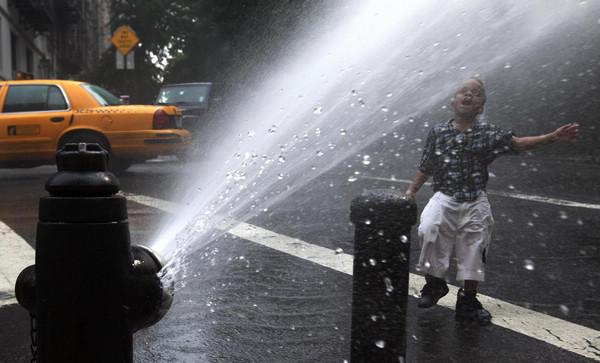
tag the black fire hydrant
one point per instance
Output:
(89, 289)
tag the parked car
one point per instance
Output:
(192, 99)
(38, 117)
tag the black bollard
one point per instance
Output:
(382, 220)
(89, 290)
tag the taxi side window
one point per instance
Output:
(29, 98)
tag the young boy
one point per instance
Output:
(456, 155)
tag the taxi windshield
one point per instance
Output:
(102, 96)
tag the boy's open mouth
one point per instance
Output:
(467, 101)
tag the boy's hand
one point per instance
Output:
(566, 133)
(410, 195)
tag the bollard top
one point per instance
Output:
(82, 171)
(383, 206)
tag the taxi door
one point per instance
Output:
(31, 118)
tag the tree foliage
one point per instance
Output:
(198, 40)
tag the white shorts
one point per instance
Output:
(446, 223)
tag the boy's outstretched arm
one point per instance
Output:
(565, 133)
(416, 184)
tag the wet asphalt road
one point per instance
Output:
(243, 302)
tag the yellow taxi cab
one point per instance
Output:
(38, 117)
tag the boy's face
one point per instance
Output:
(469, 99)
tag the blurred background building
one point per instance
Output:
(52, 38)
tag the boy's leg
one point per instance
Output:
(470, 285)
(473, 241)
(436, 234)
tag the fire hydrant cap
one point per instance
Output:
(82, 171)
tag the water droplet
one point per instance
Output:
(352, 178)
(564, 309)
(380, 344)
(282, 159)
(388, 284)
(273, 129)
(384, 109)
(318, 110)
(529, 265)
(403, 239)
(338, 251)
(319, 153)
(372, 262)
(367, 221)
(507, 66)
(366, 160)
(389, 94)
(342, 132)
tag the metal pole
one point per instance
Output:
(382, 220)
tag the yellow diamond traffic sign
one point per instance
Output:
(124, 39)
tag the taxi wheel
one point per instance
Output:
(114, 165)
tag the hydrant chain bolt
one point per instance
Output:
(85, 290)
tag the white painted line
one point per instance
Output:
(338, 261)
(152, 202)
(532, 198)
(15, 254)
(560, 333)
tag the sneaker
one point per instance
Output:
(434, 289)
(468, 307)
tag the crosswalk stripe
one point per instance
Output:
(15, 254)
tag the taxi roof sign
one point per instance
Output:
(124, 39)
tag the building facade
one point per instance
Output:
(52, 38)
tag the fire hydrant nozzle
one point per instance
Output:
(89, 288)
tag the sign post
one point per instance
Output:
(124, 39)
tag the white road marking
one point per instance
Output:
(15, 254)
(165, 205)
(533, 198)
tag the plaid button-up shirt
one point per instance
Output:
(458, 160)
